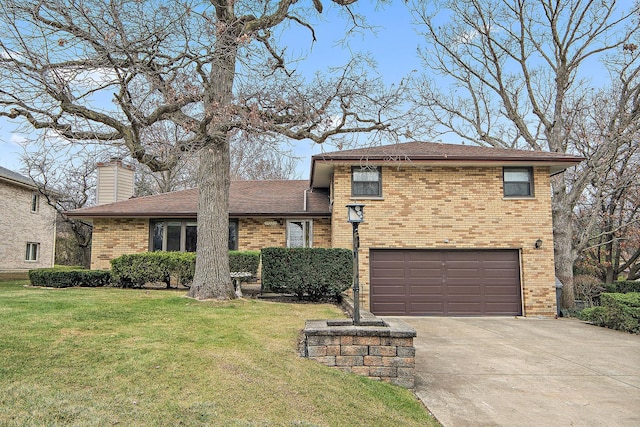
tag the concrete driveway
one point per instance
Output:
(526, 372)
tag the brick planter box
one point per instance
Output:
(378, 349)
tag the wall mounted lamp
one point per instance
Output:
(538, 244)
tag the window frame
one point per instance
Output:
(35, 202)
(307, 232)
(32, 249)
(530, 182)
(353, 181)
(184, 224)
(233, 243)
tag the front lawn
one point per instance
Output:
(106, 356)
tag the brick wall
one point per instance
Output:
(254, 234)
(113, 237)
(19, 226)
(381, 350)
(454, 208)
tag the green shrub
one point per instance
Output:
(248, 261)
(134, 270)
(618, 311)
(315, 273)
(623, 286)
(66, 278)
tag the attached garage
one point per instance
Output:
(416, 282)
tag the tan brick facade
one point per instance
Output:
(113, 237)
(453, 208)
(257, 233)
(421, 208)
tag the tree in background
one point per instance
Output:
(516, 74)
(66, 178)
(211, 70)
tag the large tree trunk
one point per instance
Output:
(563, 241)
(212, 277)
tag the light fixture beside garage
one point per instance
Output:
(355, 215)
(538, 244)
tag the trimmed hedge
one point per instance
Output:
(315, 273)
(67, 278)
(623, 286)
(134, 270)
(618, 311)
(244, 261)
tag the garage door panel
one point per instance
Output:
(445, 282)
(416, 291)
(389, 273)
(389, 309)
(426, 309)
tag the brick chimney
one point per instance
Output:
(115, 181)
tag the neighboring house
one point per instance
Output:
(448, 230)
(27, 225)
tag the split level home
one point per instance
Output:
(449, 230)
(27, 225)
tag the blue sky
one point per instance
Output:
(393, 46)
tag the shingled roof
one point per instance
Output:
(246, 198)
(16, 178)
(436, 153)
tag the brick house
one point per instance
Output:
(27, 225)
(448, 230)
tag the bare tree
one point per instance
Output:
(516, 74)
(210, 68)
(66, 178)
(608, 212)
(260, 157)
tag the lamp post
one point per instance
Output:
(355, 215)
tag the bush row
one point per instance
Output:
(134, 270)
(623, 286)
(68, 277)
(314, 273)
(618, 311)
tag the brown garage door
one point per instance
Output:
(445, 282)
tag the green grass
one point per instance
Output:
(97, 357)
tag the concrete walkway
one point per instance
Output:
(526, 372)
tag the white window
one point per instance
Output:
(300, 233)
(518, 182)
(366, 181)
(32, 251)
(35, 201)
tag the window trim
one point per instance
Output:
(35, 202)
(530, 181)
(307, 232)
(32, 248)
(165, 221)
(371, 168)
(184, 222)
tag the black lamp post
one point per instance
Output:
(355, 215)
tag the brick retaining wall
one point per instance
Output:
(378, 349)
